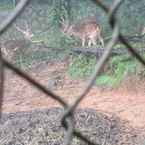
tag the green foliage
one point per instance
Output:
(118, 68)
(45, 19)
(105, 80)
(118, 74)
(134, 44)
(81, 66)
(6, 5)
(26, 61)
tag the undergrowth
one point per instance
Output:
(27, 61)
(118, 67)
(81, 66)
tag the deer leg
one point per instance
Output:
(94, 42)
(89, 43)
(101, 41)
(83, 42)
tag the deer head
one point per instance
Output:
(25, 31)
(9, 47)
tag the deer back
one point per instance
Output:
(84, 28)
(10, 47)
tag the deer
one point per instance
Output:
(9, 47)
(86, 30)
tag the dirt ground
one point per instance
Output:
(126, 101)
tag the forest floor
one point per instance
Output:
(126, 101)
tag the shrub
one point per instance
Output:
(118, 68)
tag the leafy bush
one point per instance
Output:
(81, 66)
(26, 61)
(118, 68)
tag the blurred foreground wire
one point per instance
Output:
(67, 117)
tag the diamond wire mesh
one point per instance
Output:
(67, 117)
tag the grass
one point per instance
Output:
(26, 61)
(134, 44)
(117, 69)
(81, 66)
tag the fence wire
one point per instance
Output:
(67, 117)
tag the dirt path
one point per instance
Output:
(127, 101)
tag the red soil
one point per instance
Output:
(127, 101)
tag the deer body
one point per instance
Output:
(9, 47)
(87, 31)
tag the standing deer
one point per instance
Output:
(9, 47)
(86, 30)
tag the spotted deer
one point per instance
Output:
(87, 30)
(9, 47)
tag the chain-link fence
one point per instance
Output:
(67, 119)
